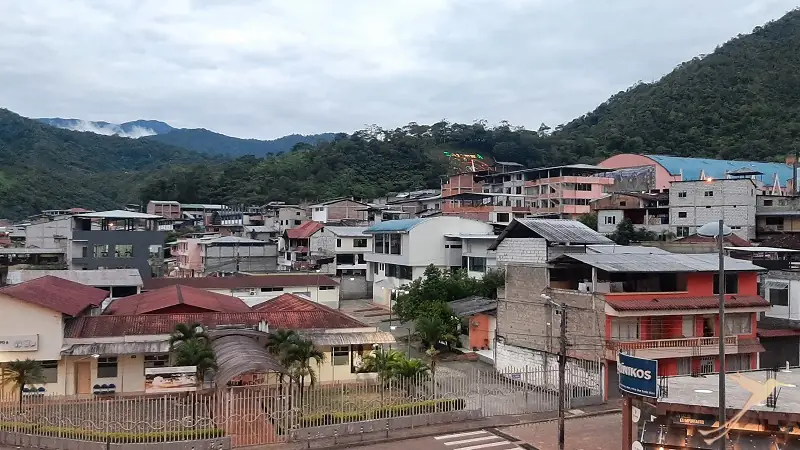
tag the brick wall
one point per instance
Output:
(525, 319)
(522, 251)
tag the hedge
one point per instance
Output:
(405, 409)
(103, 436)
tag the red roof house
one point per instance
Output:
(57, 294)
(176, 299)
(304, 231)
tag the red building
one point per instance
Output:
(665, 306)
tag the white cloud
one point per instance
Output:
(265, 68)
(110, 129)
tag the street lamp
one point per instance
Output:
(718, 230)
(408, 339)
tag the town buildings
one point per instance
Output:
(103, 240)
(296, 245)
(645, 210)
(693, 204)
(402, 249)
(202, 256)
(342, 211)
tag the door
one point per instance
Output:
(707, 364)
(688, 326)
(83, 378)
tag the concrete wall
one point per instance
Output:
(541, 368)
(140, 241)
(28, 441)
(354, 287)
(319, 294)
(42, 235)
(608, 220)
(731, 200)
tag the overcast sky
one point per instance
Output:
(263, 69)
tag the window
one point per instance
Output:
(767, 202)
(123, 250)
(453, 245)
(298, 212)
(107, 367)
(477, 264)
(391, 270)
(327, 288)
(49, 371)
(394, 244)
(404, 272)
(375, 268)
(583, 187)
(360, 243)
(378, 248)
(779, 296)
(736, 363)
(502, 217)
(297, 222)
(101, 251)
(682, 214)
(708, 194)
(464, 262)
(731, 283)
(684, 366)
(341, 355)
(610, 220)
(156, 361)
(272, 289)
(738, 324)
(682, 231)
(338, 242)
(682, 194)
(518, 190)
(623, 203)
(625, 329)
(774, 222)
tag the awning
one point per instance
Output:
(359, 338)
(238, 353)
(116, 348)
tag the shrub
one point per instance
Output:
(405, 409)
(125, 437)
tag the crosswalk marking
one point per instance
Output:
(467, 441)
(475, 440)
(458, 435)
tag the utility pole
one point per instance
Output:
(562, 369)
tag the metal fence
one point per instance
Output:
(263, 414)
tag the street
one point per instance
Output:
(590, 433)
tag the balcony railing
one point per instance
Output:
(672, 348)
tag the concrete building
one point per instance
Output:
(779, 327)
(669, 169)
(295, 248)
(103, 240)
(348, 247)
(343, 211)
(777, 215)
(165, 208)
(49, 320)
(693, 204)
(645, 210)
(117, 282)
(402, 249)
(229, 254)
(260, 288)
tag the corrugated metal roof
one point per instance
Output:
(231, 240)
(100, 277)
(624, 249)
(691, 168)
(473, 305)
(244, 282)
(399, 225)
(348, 231)
(118, 214)
(355, 338)
(117, 348)
(562, 231)
(660, 303)
(669, 262)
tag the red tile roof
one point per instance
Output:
(151, 324)
(288, 302)
(732, 240)
(57, 294)
(777, 333)
(710, 302)
(243, 282)
(305, 230)
(152, 301)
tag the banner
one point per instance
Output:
(638, 376)
(170, 379)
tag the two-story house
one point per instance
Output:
(348, 246)
(296, 244)
(103, 240)
(339, 211)
(644, 210)
(693, 204)
(402, 249)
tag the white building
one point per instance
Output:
(347, 245)
(402, 249)
(693, 204)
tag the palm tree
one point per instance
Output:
(198, 353)
(299, 356)
(19, 373)
(383, 362)
(185, 333)
(278, 344)
(410, 370)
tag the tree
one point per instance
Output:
(382, 362)
(198, 353)
(279, 342)
(625, 233)
(434, 329)
(20, 373)
(185, 333)
(410, 370)
(300, 354)
(590, 220)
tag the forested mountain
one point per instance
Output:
(43, 167)
(740, 102)
(199, 139)
(204, 141)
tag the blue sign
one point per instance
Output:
(637, 376)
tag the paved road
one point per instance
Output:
(588, 433)
(468, 440)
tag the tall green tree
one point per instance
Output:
(410, 371)
(279, 344)
(303, 355)
(187, 332)
(198, 353)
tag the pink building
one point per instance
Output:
(188, 255)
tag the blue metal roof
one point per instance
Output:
(390, 226)
(717, 168)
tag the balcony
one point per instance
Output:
(672, 348)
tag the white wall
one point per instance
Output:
(541, 368)
(784, 312)
(319, 214)
(24, 319)
(327, 297)
(614, 216)
(522, 251)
